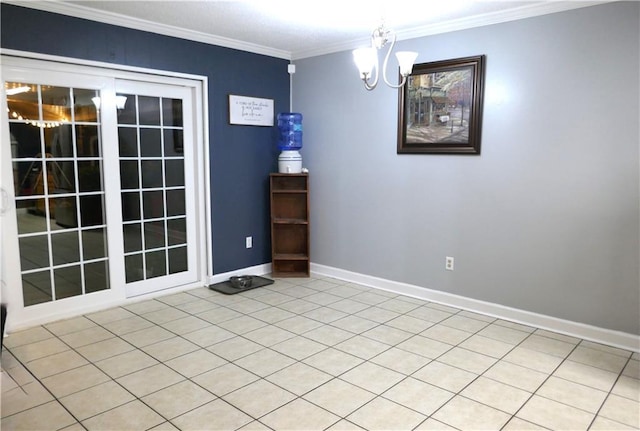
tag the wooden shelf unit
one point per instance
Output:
(289, 225)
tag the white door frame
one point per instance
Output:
(20, 317)
(169, 280)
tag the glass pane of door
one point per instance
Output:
(154, 190)
(56, 154)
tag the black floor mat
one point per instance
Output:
(226, 287)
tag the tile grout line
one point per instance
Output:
(459, 393)
(247, 370)
(301, 397)
(379, 324)
(45, 388)
(112, 379)
(325, 323)
(542, 384)
(330, 324)
(609, 394)
(296, 396)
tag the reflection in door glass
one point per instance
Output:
(149, 111)
(36, 287)
(94, 243)
(174, 170)
(173, 142)
(177, 231)
(156, 263)
(152, 176)
(134, 270)
(132, 234)
(150, 133)
(130, 206)
(128, 113)
(150, 143)
(64, 246)
(68, 281)
(154, 234)
(172, 112)
(177, 260)
(57, 173)
(96, 276)
(34, 252)
(129, 181)
(90, 176)
(87, 141)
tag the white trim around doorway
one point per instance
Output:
(199, 85)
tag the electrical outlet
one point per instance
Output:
(448, 263)
(248, 242)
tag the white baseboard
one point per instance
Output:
(619, 339)
(14, 325)
(609, 337)
(30, 321)
(25, 323)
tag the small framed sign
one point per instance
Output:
(250, 111)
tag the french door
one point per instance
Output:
(102, 176)
(157, 199)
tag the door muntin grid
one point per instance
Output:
(59, 195)
(151, 143)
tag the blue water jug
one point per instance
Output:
(290, 131)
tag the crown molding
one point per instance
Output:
(523, 12)
(144, 25)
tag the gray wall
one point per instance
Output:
(546, 219)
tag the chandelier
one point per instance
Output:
(367, 59)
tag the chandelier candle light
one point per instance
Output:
(367, 59)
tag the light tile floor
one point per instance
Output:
(310, 354)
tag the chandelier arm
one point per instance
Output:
(384, 67)
(368, 86)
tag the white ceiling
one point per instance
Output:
(293, 29)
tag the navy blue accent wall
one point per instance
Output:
(241, 156)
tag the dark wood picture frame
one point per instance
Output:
(440, 107)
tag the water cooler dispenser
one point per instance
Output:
(289, 142)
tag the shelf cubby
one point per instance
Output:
(289, 225)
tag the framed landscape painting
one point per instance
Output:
(440, 108)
